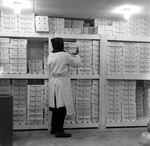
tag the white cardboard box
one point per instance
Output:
(42, 18)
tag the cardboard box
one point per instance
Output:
(41, 18)
(42, 29)
(41, 24)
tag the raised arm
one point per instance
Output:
(74, 61)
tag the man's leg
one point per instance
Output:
(60, 118)
(53, 123)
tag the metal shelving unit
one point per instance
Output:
(66, 125)
(24, 35)
(24, 76)
(47, 37)
(129, 77)
(78, 36)
(128, 39)
(144, 120)
(43, 76)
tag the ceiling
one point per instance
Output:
(83, 9)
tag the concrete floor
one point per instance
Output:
(81, 137)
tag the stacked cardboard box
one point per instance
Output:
(35, 104)
(88, 30)
(19, 92)
(86, 100)
(26, 22)
(73, 26)
(5, 86)
(134, 27)
(68, 23)
(42, 23)
(144, 57)
(95, 100)
(57, 25)
(115, 58)
(45, 57)
(128, 103)
(145, 27)
(139, 102)
(35, 66)
(45, 101)
(96, 57)
(103, 22)
(114, 101)
(4, 55)
(83, 101)
(77, 24)
(89, 51)
(121, 28)
(18, 56)
(86, 54)
(11, 22)
(121, 105)
(13, 55)
(128, 58)
(30, 102)
(146, 100)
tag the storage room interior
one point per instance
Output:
(110, 90)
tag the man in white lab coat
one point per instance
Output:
(60, 95)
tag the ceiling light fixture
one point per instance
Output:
(17, 7)
(127, 10)
(127, 13)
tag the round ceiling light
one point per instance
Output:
(127, 10)
(127, 13)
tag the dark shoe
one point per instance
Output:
(62, 134)
(52, 131)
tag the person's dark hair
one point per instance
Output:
(57, 44)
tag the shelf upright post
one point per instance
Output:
(103, 83)
(50, 50)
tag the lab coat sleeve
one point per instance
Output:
(74, 61)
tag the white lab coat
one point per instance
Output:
(59, 79)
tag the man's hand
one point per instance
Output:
(77, 52)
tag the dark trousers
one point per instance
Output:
(58, 117)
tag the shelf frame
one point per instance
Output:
(129, 77)
(138, 122)
(82, 125)
(43, 76)
(30, 127)
(78, 36)
(47, 36)
(84, 76)
(24, 76)
(102, 101)
(128, 39)
(66, 125)
(25, 35)
(126, 124)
